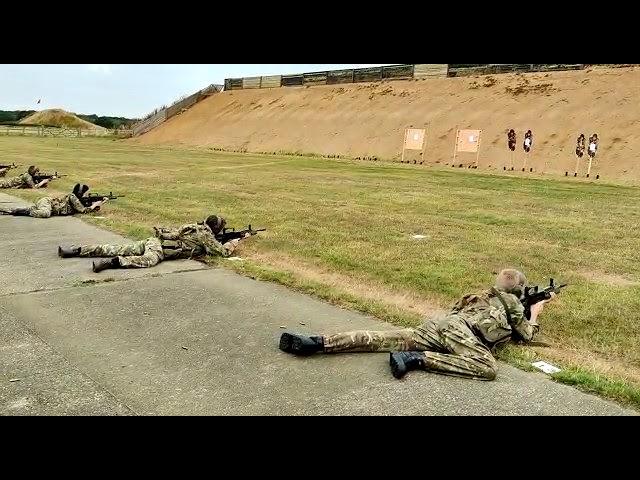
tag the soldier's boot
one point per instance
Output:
(21, 212)
(403, 362)
(68, 252)
(301, 344)
(105, 263)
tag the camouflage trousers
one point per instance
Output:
(448, 345)
(143, 254)
(41, 209)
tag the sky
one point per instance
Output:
(124, 90)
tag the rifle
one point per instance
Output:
(88, 200)
(38, 177)
(13, 165)
(533, 295)
(229, 234)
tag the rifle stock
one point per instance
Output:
(229, 234)
(46, 176)
(90, 199)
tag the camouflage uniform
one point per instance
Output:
(66, 205)
(458, 343)
(188, 241)
(23, 181)
(3, 171)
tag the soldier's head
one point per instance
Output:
(511, 281)
(215, 223)
(33, 170)
(84, 190)
(76, 190)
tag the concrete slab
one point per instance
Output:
(36, 380)
(27, 244)
(165, 341)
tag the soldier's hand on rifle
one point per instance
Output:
(537, 308)
(95, 206)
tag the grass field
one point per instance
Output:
(343, 230)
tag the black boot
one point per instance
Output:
(301, 344)
(21, 212)
(105, 263)
(403, 362)
(67, 252)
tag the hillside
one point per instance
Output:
(58, 118)
(369, 119)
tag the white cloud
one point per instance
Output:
(100, 68)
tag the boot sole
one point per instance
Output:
(285, 342)
(97, 269)
(293, 344)
(61, 254)
(298, 348)
(398, 367)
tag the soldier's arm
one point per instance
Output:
(215, 248)
(78, 206)
(28, 181)
(526, 329)
(166, 233)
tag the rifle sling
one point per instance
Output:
(504, 304)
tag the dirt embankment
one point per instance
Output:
(369, 119)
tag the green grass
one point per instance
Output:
(357, 218)
(587, 380)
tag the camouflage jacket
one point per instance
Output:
(23, 181)
(486, 316)
(67, 205)
(192, 241)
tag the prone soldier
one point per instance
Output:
(459, 343)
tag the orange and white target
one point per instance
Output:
(467, 141)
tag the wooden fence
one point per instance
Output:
(49, 131)
(397, 72)
(333, 77)
(160, 116)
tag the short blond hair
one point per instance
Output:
(510, 280)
